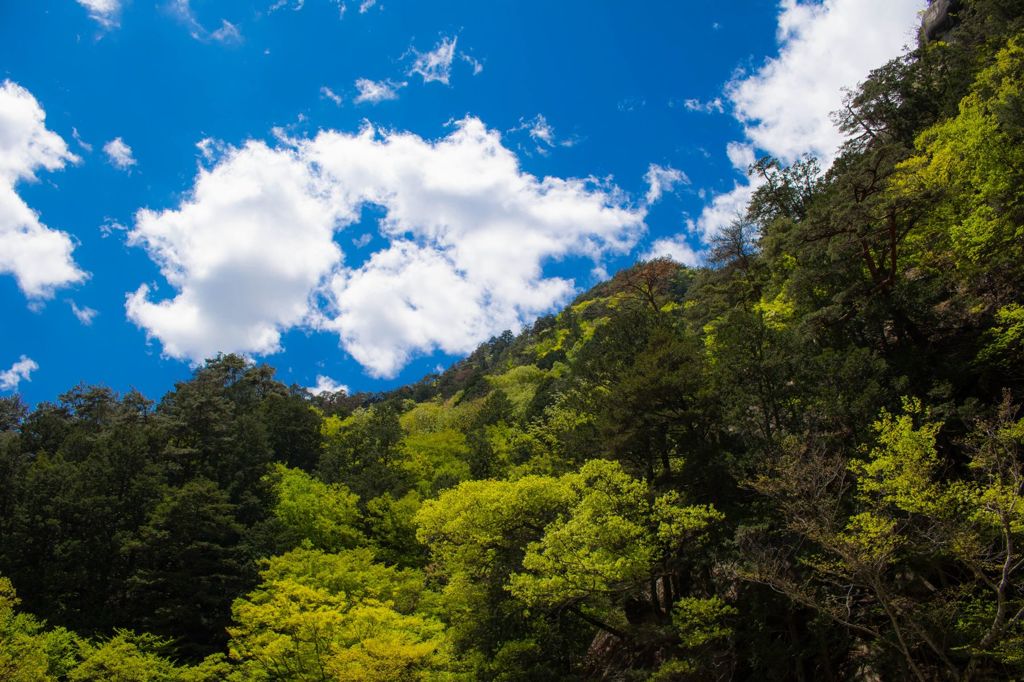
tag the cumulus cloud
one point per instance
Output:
(741, 155)
(376, 91)
(675, 248)
(326, 385)
(366, 5)
(724, 209)
(435, 65)
(106, 12)
(39, 258)
(785, 105)
(661, 179)
(19, 371)
(119, 154)
(251, 253)
(244, 253)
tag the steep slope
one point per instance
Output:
(803, 461)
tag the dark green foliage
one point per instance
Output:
(187, 567)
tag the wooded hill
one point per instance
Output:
(802, 462)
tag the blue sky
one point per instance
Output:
(358, 192)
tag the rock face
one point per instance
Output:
(939, 18)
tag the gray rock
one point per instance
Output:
(939, 18)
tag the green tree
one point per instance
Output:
(318, 616)
(188, 567)
(324, 515)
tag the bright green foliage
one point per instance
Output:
(972, 169)
(900, 470)
(436, 459)
(607, 540)
(477, 524)
(339, 614)
(586, 542)
(701, 621)
(1006, 339)
(28, 653)
(126, 657)
(477, 534)
(325, 515)
(520, 385)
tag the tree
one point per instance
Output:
(188, 567)
(593, 544)
(324, 515)
(918, 550)
(318, 616)
(28, 652)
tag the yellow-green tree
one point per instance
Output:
(318, 616)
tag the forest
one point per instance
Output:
(803, 460)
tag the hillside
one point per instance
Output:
(804, 460)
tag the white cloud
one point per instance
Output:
(541, 131)
(711, 106)
(543, 134)
(741, 156)
(327, 385)
(38, 257)
(435, 65)
(327, 93)
(109, 226)
(106, 12)
(661, 179)
(447, 279)
(376, 91)
(19, 371)
(478, 66)
(785, 105)
(227, 33)
(366, 5)
(210, 149)
(297, 6)
(631, 104)
(675, 248)
(724, 209)
(183, 10)
(240, 274)
(85, 314)
(119, 154)
(86, 147)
